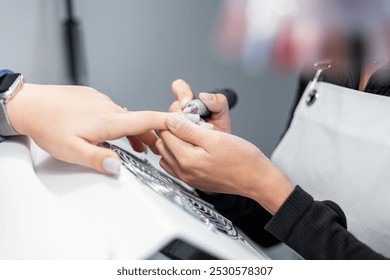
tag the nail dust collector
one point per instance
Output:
(54, 210)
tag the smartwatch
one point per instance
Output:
(9, 86)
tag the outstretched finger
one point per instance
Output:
(138, 123)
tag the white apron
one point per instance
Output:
(338, 149)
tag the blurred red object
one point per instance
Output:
(286, 34)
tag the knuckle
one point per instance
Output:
(188, 132)
(92, 91)
(222, 97)
(186, 164)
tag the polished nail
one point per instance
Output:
(206, 96)
(146, 149)
(112, 165)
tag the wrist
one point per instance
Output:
(16, 109)
(272, 190)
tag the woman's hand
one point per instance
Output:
(215, 102)
(69, 121)
(214, 161)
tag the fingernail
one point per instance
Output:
(184, 102)
(192, 117)
(206, 96)
(186, 110)
(206, 125)
(146, 149)
(112, 165)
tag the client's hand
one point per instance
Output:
(69, 121)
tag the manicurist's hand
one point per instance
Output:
(215, 161)
(69, 121)
(215, 102)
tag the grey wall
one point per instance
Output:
(136, 48)
(31, 39)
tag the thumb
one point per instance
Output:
(186, 130)
(99, 158)
(216, 103)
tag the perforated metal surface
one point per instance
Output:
(173, 191)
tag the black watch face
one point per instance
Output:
(7, 80)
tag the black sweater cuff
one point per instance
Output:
(317, 229)
(289, 213)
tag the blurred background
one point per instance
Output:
(132, 50)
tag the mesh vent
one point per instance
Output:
(173, 191)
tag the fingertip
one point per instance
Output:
(184, 102)
(177, 82)
(112, 166)
(206, 97)
(103, 160)
(175, 107)
(182, 91)
(164, 165)
(158, 147)
(222, 99)
(99, 158)
(146, 149)
(159, 144)
(210, 100)
(154, 150)
(215, 102)
(136, 144)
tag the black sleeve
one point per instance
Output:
(317, 230)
